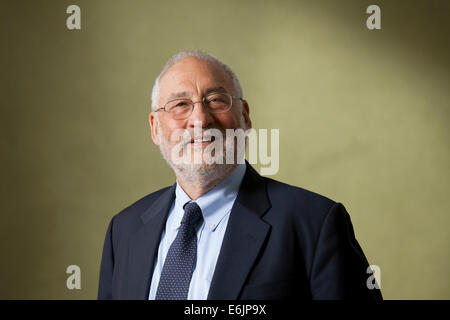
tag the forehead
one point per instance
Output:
(193, 76)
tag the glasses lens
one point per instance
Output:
(218, 102)
(179, 108)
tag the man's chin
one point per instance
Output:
(200, 168)
(201, 172)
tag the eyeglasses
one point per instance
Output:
(215, 102)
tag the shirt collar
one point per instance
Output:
(217, 202)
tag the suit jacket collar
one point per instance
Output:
(144, 244)
(243, 240)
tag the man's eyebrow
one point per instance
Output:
(214, 89)
(186, 94)
(182, 94)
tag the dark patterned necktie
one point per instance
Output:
(181, 258)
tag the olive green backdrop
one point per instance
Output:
(363, 118)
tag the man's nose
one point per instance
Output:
(200, 113)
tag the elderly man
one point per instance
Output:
(222, 231)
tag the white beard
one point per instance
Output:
(200, 173)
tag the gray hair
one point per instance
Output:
(199, 55)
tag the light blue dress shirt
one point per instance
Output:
(216, 206)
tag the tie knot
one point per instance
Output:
(192, 213)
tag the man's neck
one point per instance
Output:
(195, 189)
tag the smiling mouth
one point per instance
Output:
(202, 140)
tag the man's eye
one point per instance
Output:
(216, 100)
(181, 104)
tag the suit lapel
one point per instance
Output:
(143, 245)
(243, 239)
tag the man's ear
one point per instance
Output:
(153, 127)
(246, 114)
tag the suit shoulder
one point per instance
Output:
(133, 212)
(297, 194)
(299, 200)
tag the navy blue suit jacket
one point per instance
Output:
(281, 242)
